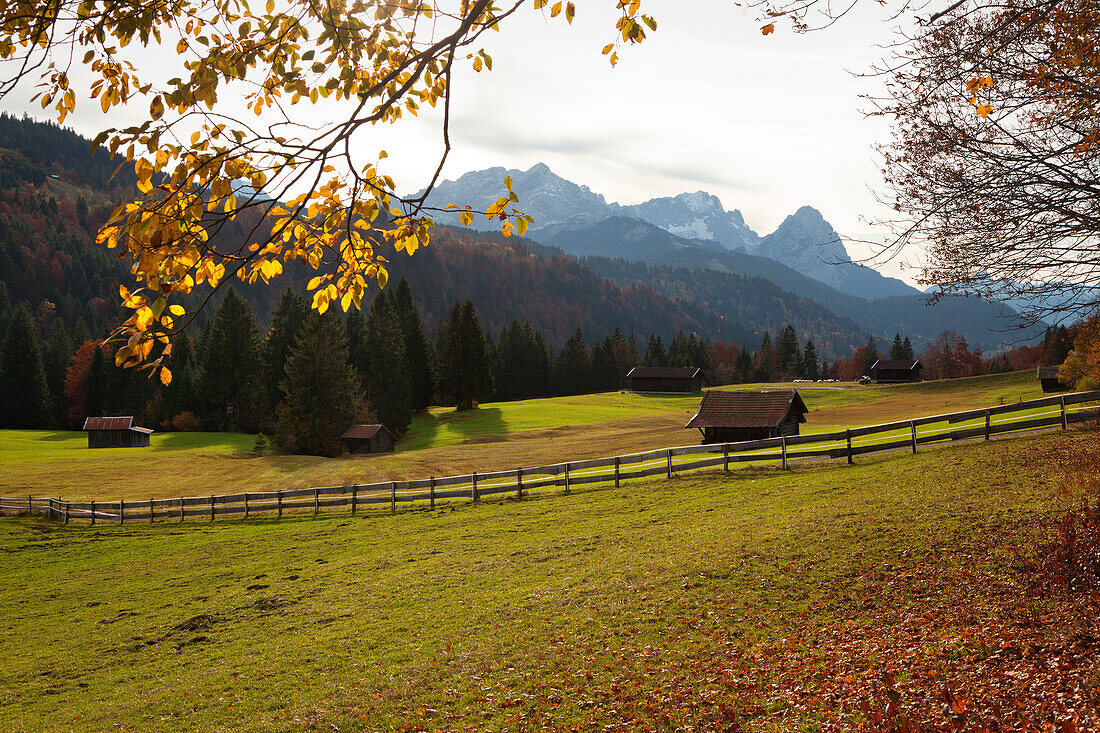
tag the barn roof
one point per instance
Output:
(109, 423)
(747, 409)
(644, 372)
(1047, 372)
(907, 364)
(364, 432)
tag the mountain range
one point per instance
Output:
(597, 266)
(565, 211)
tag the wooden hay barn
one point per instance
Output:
(729, 417)
(896, 370)
(115, 432)
(1048, 379)
(368, 439)
(666, 379)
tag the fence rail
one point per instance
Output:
(1059, 410)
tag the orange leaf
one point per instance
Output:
(769, 28)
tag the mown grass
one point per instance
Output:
(497, 436)
(507, 615)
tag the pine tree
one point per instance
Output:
(679, 351)
(24, 391)
(573, 367)
(907, 350)
(386, 373)
(655, 355)
(765, 363)
(787, 353)
(321, 395)
(870, 356)
(286, 322)
(417, 348)
(521, 366)
(605, 371)
(231, 368)
(464, 361)
(810, 367)
(897, 350)
(59, 352)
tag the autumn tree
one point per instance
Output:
(995, 163)
(293, 170)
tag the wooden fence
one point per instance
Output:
(1063, 410)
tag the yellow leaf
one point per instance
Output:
(176, 310)
(984, 110)
(143, 317)
(165, 376)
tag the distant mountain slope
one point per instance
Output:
(804, 241)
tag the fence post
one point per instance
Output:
(668, 462)
(121, 510)
(431, 492)
(616, 472)
(473, 491)
(66, 512)
(212, 508)
(354, 496)
(567, 478)
(151, 510)
(279, 503)
(987, 424)
(519, 483)
(393, 496)
(1065, 421)
(726, 456)
(913, 430)
(30, 505)
(316, 502)
(246, 505)
(181, 510)
(848, 437)
(93, 512)
(783, 445)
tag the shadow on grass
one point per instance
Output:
(464, 425)
(55, 437)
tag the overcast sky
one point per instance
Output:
(766, 123)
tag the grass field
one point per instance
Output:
(774, 600)
(444, 442)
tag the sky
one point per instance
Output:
(766, 123)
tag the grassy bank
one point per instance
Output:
(698, 601)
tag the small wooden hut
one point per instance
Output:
(666, 379)
(1048, 379)
(728, 417)
(115, 432)
(368, 439)
(896, 370)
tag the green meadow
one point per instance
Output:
(643, 607)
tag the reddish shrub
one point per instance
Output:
(185, 422)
